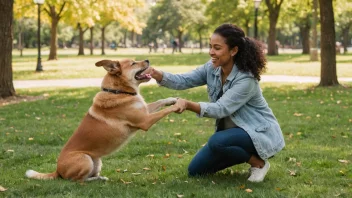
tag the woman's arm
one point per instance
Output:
(194, 78)
(183, 104)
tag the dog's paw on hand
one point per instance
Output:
(170, 101)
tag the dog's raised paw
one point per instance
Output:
(170, 101)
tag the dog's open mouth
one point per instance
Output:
(142, 75)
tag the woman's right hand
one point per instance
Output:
(156, 74)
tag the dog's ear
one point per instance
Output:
(113, 67)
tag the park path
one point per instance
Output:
(95, 82)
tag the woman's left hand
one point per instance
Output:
(181, 104)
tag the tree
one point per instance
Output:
(22, 9)
(274, 11)
(328, 76)
(176, 17)
(55, 10)
(343, 13)
(122, 11)
(6, 18)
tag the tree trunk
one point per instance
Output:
(132, 38)
(274, 11)
(180, 42)
(328, 76)
(103, 40)
(200, 39)
(53, 34)
(304, 29)
(20, 36)
(81, 41)
(55, 18)
(6, 18)
(125, 39)
(314, 50)
(91, 40)
(345, 38)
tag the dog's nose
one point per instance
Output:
(147, 61)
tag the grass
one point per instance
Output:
(316, 123)
(69, 65)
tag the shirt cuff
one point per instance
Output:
(163, 81)
(203, 109)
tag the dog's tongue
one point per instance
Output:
(144, 76)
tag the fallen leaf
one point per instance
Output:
(179, 196)
(213, 182)
(298, 114)
(150, 155)
(135, 174)
(179, 156)
(30, 139)
(10, 150)
(342, 172)
(147, 169)
(167, 155)
(118, 170)
(318, 115)
(164, 168)
(38, 118)
(171, 120)
(292, 173)
(177, 134)
(2, 189)
(249, 190)
(125, 182)
(242, 186)
(278, 189)
(344, 161)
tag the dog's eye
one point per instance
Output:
(133, 63)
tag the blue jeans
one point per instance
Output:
(224, 149)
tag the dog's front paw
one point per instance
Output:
(170, 101)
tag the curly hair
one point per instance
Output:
(250, 56)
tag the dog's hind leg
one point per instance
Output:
(96, 171)
(75, 166)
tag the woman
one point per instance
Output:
(246, 128)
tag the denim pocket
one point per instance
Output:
(263, 127)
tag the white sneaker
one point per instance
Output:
(258, 174)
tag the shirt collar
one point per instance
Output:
(232, 75)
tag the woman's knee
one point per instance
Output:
(214, 143)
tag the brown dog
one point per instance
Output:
(118, 111)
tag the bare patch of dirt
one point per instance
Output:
(19, 99)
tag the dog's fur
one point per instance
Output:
(110, 122)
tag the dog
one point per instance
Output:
(116, 114)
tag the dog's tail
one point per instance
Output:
(42, 176)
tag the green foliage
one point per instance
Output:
(316, 161)
(174, 16)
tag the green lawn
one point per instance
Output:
(69, 65)
(316, 162)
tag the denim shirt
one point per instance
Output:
(242, 100)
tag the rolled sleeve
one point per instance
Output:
(187, 80)
(203, 109)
